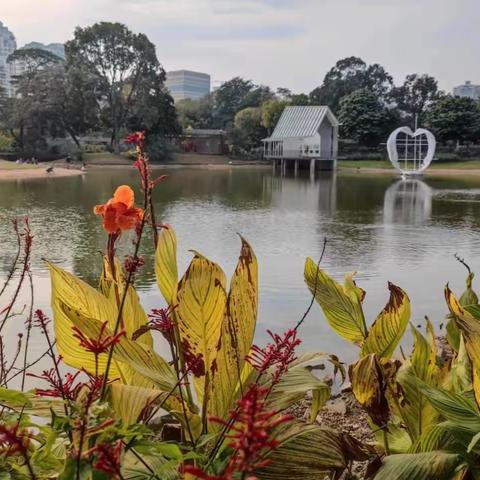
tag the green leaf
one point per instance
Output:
(308, 452)
(389, 327)
(435, 465)
(454, 407)
(293, 386)
(341, 305)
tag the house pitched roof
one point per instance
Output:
(302, 121)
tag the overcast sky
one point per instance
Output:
(281, 43)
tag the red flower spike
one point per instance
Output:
(99, 345)
(40, 320)
(66, 388)
(160, 321)
(251, 427)
(279, 354)
(136, 138)
(108, 458)
(14, 440)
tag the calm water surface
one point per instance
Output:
(379, 226)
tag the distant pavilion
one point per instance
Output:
(304, 135)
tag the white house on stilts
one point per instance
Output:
(304, 135)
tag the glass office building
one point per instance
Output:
(7, 46)
(184, 84)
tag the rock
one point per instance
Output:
(346, 387)
(338, 406)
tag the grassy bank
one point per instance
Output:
(7, 165)
(382, 164)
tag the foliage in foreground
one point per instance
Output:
(425, 407)
(216, 406)
(213, 408)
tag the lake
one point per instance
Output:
(382, 227)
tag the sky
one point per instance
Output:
(280, 43)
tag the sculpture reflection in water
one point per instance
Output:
(407, 202)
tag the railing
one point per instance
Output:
(295, 154)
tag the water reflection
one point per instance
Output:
(408, 202)
(405, 232)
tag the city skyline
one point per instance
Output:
(281, 43)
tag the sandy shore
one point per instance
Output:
(26, 174)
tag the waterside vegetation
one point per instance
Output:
(215, 407)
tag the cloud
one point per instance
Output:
(289, 43)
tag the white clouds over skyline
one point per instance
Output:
(290, 43)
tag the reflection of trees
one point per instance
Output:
(408, 202)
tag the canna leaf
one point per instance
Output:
(238, 329)
(128, 401)
(389, 327)
(415, 411)
(200, 311)
(308, 452)
(467, 320)
(133, 314)
(70, 291)
(341, 305)
(369, 388)
(166, 264)
(133, 354)
(454, 407)
(293, 386)
(461, 370)
(434, 465)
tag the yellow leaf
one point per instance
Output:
(133, 315)
(389, 327)
(238, 330)
(342, 306)
(138, 357)
(468, 321)
(129, 401)
(77, 295)
(200, 310)
(416, 412)
(369, 387)
(166, 264)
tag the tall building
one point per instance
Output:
(8, 45)
(184, 84)
(467, 90)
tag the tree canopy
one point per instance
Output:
(455, 118)
(364, 118)
(126, 73)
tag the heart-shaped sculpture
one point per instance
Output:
(419, 164)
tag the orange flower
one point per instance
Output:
(119, 213)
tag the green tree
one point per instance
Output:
(271, 112)
(195, 113)
(350, 74)
(300, 99)
(364, 118)
(258, 96)
(455, 118)
(248, 128)
(123, 64)
(229, 99)
(416, 95)
(24, 114)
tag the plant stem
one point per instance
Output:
(29, 328)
